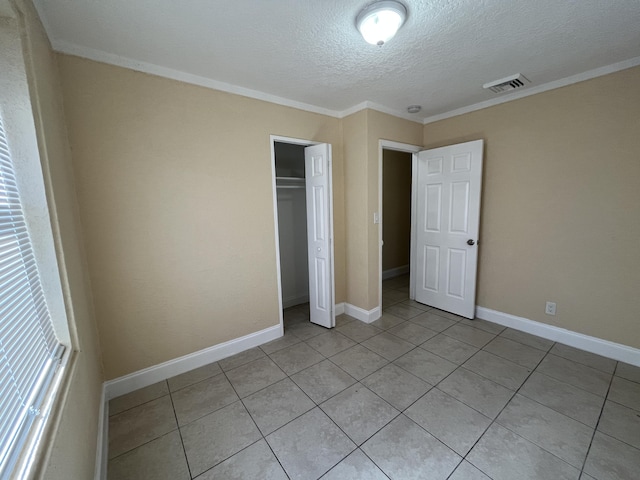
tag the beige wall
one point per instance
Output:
(396, 209)
(362, 133)
(174, 184)
(355, 206)
(560, 214)
(73, 438)
(382, 127)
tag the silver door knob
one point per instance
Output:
(470, 242)
(319, 249)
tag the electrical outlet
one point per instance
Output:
(550, 308)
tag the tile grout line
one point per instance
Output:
(143, 444)
(595, 429)
(494, 420)
(148, 441)
(262, 436)
(140, 404)
(216, 410)
(557, 411)
(540, 446)
(359, 383)
(432, 386)
(317, 405)
(401, 412)
(462, 457)
(184, 450)
(224, 372)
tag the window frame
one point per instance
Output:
(19, 113)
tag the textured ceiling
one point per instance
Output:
(309, 51)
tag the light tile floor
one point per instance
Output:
(418, 394)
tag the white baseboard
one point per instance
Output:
(103, 438)
(148, 376)
(595, 345)
(339, 308)
(361, 314)
(395, 272)
(291, 301)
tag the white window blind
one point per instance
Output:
(29, 349)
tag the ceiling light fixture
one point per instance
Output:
(380, 21)
(414, 108)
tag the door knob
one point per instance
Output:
(319, 249)
(470, 242)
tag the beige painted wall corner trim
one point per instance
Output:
(622, 353)
(366, 316)
(156, 373)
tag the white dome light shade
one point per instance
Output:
(380, 21)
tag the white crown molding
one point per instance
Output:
(622, 353)
(393, 112)
(152, 69)
(354, 109)
(109, 58)
(145, 67)
(563, 82)
(379, 108)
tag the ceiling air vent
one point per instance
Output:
(507, 84)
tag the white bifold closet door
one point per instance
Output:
(317, 162)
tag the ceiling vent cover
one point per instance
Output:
(507, 84)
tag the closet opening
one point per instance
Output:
(303, 209)
(292, 232)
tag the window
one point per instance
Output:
(30, 352)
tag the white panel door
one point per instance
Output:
(448, 215)
(317, 163)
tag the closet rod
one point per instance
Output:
(290, 186)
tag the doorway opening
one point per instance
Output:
(396, 196)
(396, 228)
(303, 210)
(446, 183)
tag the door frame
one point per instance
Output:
(413, 150)
(307, 143)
